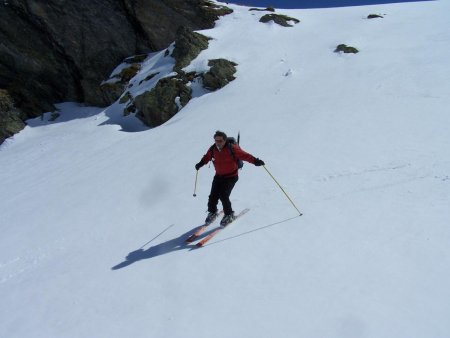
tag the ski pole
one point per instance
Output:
(195, 186)
(157, 236)
(282, 190)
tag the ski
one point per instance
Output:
(220, 228)
(200, 230)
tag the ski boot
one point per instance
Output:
(211, 217)
(227, 219)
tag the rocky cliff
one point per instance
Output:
(61, 50)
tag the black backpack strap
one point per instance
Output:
(230, 148)
(239, 163)
(211, 149)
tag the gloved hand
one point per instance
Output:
(259, 162)
(198, 165)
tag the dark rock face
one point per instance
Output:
(61, 50)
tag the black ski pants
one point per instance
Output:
(221, 189)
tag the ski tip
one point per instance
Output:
(199, 245)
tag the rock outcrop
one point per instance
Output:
(157, 101)
(280, 19)
(115, 86)
(268, 9)
(343, 48)
(220, 74)
(10, 117)
(163, 101)
(61, 50)
(188, 45)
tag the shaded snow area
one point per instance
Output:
(93, 219)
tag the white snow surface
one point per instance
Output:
(93, 218)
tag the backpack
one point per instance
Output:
(229, 144)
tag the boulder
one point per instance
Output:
(220, 74)
(280, 19)
(161, 103)
(342, 48)
(268, 9)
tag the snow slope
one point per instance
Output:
(93, 218)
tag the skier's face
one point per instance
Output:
(219, 142)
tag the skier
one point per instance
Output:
(225, 156)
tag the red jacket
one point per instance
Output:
(223, 161)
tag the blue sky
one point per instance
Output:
(313, 3)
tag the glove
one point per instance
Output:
(259, 162)
(198, 165)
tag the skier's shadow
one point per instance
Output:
(179, 243)
(172, 245)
